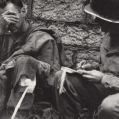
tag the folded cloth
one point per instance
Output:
(63, 78)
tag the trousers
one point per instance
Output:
(11, 93)
(80, 93)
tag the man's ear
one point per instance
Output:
(24, 10)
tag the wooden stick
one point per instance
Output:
(19, 103)
(29, 85)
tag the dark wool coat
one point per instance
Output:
(37, 42)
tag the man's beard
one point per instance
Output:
(13, 28)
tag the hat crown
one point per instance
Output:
(107, 8)
(105, 3)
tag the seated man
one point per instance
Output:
(27, 51)
(93, 88)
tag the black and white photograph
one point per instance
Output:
(59, 59)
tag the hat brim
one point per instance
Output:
(89, 10)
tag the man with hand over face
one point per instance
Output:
(25, 51)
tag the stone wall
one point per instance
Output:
(80, 35)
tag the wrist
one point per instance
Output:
(102, 77)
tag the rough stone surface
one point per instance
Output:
(81, 41)
(77, 30)
(59, 10)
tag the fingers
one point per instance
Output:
(10, 20)
(79, 65)
(81, 71)
(10, 17)
(9, 13)
(86, 66)
(88, 76)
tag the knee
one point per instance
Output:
(25, 60)
(109, 105)
(22, 59)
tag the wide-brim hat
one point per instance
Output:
(107, 10)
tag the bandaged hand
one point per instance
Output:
(26, 82)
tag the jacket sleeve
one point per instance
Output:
(110, 81)
(35, 41)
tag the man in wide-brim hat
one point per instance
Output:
(98, 90)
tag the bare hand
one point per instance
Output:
(10, 17)
(93, 75)
(84, 65)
